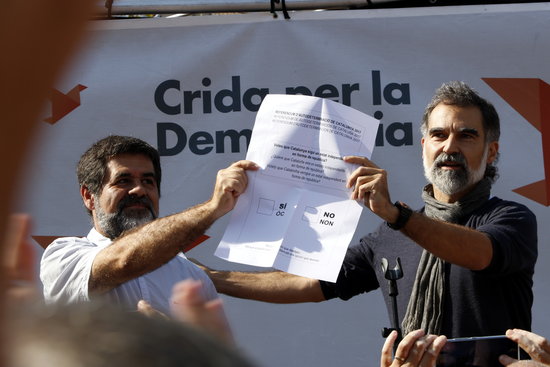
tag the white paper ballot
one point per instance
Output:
(296, 215)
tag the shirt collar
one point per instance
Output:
(97, 238)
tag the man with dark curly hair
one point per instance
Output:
(131, 254)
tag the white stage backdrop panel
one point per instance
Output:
(191, 87)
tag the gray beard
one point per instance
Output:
(115, 224)
(451, 182)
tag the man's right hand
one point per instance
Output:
(231, 182)
(370, 185)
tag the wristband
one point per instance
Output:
(404, 214)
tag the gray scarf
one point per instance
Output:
(425, 308)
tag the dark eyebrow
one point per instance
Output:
(121, 175)
(436, 130)
(150, 174)
(126, 174)
(469, 130)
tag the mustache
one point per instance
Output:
(444, 158)
(131, 200)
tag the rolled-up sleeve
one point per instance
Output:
(65, 269)
(513, 233)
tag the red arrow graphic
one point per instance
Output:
(63, 104)
(530, 97)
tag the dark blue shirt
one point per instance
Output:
(485, 302)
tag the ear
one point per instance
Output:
(493, 152)
(87, 198)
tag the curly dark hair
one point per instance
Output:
(92, 167)
(457, 93)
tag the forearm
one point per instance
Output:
(273, 287)
(456, 244)
(148, 247)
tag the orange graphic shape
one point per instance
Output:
(530, 97)
(536, 191)
(44, 241)
(63, 104)
(195, 243)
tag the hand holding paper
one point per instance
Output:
(231, 182)
(296, 214)
(370, 183)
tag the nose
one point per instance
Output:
(451, 144)
(137, 189)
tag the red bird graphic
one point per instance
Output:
(62, 104)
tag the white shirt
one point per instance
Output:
(67, 262)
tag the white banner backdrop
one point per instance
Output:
(191, 87)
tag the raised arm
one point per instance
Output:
(456, 244)
(148, 247)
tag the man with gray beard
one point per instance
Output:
(468, 258)
(130, 254)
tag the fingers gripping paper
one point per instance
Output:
(296, 215)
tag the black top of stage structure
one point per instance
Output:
(136, 7)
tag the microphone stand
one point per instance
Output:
(392, 275)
